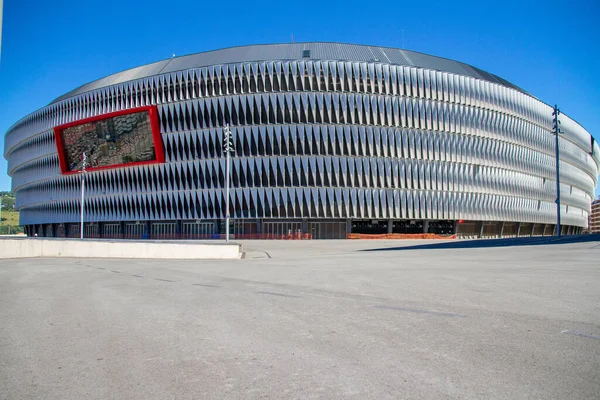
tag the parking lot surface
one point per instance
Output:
(308, 319)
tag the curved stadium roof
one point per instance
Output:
(292, 51)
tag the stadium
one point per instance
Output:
(330, 141)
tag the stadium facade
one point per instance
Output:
(328, 138)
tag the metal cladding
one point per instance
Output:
(320, 131)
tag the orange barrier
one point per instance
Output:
(398, 236)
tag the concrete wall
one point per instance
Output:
(90, 248)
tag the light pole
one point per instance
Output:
(556, 131)
(227, 148)
(82, 195)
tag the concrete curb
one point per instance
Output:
(95, 248)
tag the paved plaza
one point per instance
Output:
(308, 320)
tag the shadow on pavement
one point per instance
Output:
(483, 243)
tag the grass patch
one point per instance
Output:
(10, 218)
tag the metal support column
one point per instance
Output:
(178, 229)
(217, 228)
(147, 230)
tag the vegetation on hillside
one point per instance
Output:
(10, 216)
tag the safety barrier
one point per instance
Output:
(273, 236)
(398, 236)
(212, 236)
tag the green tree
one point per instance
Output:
(8, 203)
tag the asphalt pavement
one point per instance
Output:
(308, 320)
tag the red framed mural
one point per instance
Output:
(118, 139)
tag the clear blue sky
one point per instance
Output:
(551, 49)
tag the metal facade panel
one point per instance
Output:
(466, 146)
